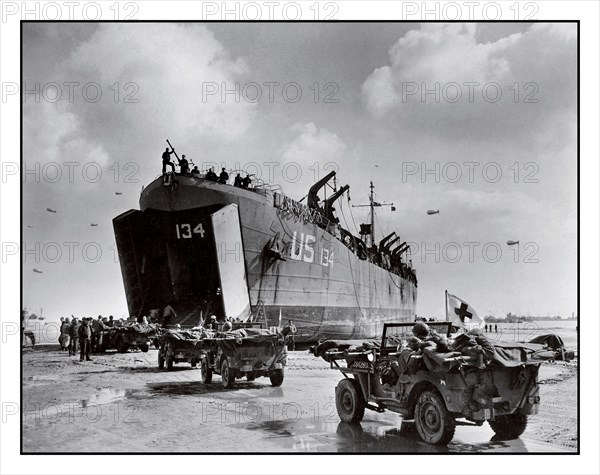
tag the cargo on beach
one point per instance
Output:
(231, 350)
(128, 336)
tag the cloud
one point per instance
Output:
(148, 78)
(313, 145)
(170, 66)
(53, 133)
(313, 152)
(441, 80)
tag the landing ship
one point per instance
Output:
(209, 248)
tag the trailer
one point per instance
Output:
(179, 346)
(437, 390)
(130, 336)
(249, 351)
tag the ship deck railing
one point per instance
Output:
(258, 185)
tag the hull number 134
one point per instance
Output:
(185, 231)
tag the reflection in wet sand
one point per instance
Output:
(107, 396)
(375, 437)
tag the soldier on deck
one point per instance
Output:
(166, 160)
(184, 166)
(211, 175)
(246, 181)
(237, 182)
(195, 170)
(224, 176)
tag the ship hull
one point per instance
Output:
(295, 270)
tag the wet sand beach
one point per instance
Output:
(124, 403)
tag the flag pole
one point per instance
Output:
(446, 304)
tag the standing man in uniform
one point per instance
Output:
(237, 182)
(64, 334)
(224, 176)
(94, 334)
(166, 159)
(74, 336)
(246, 181)
(85, 340)
(211, 175)
(184, 167)
(97, 327)
(168, 313)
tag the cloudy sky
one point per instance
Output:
(476, 120)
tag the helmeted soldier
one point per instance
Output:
(211, 175)
(224, 176)
(166, 160)
(183, 165)
(85, 340)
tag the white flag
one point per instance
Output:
(461, 313)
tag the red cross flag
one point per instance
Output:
(461, 313)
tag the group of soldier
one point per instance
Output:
(471, 343)
(184, 168)
(84, 334)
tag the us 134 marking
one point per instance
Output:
(302, 250)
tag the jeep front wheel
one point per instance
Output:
(349, 400)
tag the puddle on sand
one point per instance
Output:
(197, 387)
(376, 437)
(41, 377)
(179, 389)
(309, 435)
(107, 396)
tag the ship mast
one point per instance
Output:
(372, 205)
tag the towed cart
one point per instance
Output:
(248, 350)
(437, 389)
(179, 346)
(129, 336)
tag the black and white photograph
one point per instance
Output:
(261, 228)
